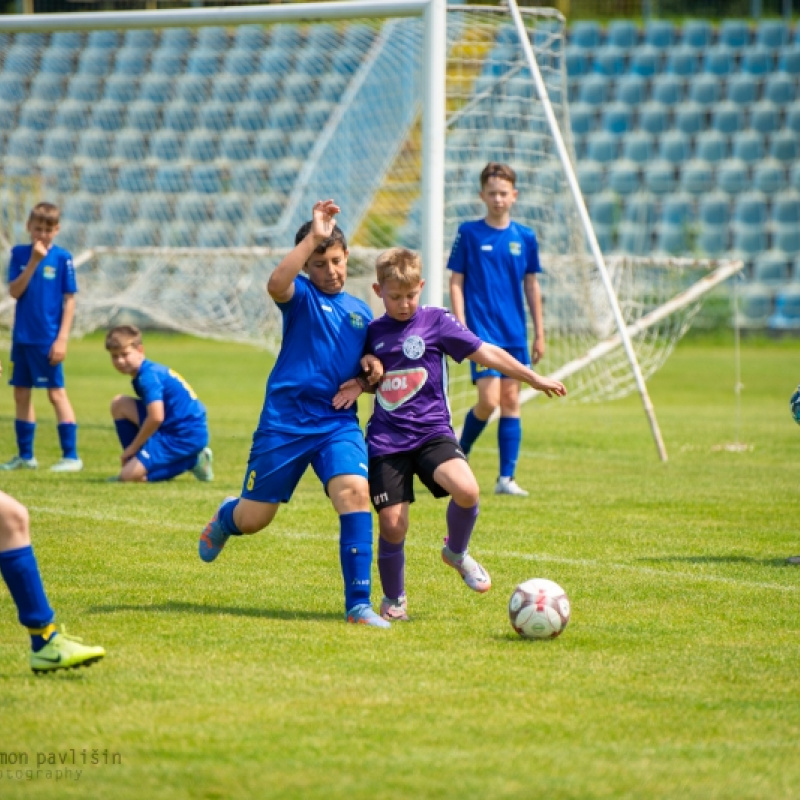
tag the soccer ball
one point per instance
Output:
(794, 404)
(538, 609)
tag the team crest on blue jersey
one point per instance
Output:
(515, 248)
(356, 320)
(413, 347)
(49, 271)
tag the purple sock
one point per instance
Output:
(392, 568)
(460, 522)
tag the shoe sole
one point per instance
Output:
(458, 570)
(85, 663)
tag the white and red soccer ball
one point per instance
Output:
(539, 609)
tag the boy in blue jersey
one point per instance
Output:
(50, 650)
(493, 262)
(41, 278)
(410, 432)
(163, 430)
(324, 330)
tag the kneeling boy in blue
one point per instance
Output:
(163, 430)
(324, 330)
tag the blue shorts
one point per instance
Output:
(165, 456)
(278, 461)
(479, 371)
(32, 368)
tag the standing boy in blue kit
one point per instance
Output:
(324, 330)
(410, 432)
(41, 278)
(494, 261)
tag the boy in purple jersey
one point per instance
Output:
(41, 278)
(410, 432)
(163, 430)
(493, 262)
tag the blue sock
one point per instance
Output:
(473, 428)
(225, 518)
(68, 436)
(460, 524)
(126, 431)
(392, 566)
(355, 554)
(25, 432)
(21, 574)
(509, 439)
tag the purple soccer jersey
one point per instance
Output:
(411, 404)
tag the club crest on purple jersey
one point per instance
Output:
(414, 347)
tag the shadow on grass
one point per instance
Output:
(761, 562)
(234, 611)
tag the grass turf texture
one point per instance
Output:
(677, 676)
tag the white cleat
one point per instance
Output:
(67, 465)
(509, 486)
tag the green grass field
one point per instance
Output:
(676, 678)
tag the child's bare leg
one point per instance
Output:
(23, 404)
(61, 404)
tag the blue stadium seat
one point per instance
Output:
(103, 234)
(755, 306)
(792, 116)
(602, 147)
(623, 177)
(156, 207)
(577, 62)
(786, 316)
(8, 117)
(772, 33)
(86, 88)
(140, 234)
(639, 146)
(47, 88)
(94, 178)
(750, 208)
(267, 207)
(672, 239)
(622, 33)
(79, 208)
(660, 33)
(286, 37)
(631, 89)
(677, 209)
(748, 145)
(228, 89)
(215, 234)
(675, 147)
(35, 115)
(683, 61)
(783, 146)
(757, 60)
(249, 177)
(250, 37)
(284, 115)
(765, 117)
(129, 145)
(345, 62)
(178, 234)
(191, 89)
(200, 145)
(94, 62)
(67, 39)
(635, 238)
(604, 208)
(771, 268)
(212, 37)
(646, 61)
(283, 174)
(734, 33)
(712, 146)
(705, 89)
(697, 177)
(654, 117)
(712, 240)
(240, 62)
(119, 208)
(206, 179)
(72, 114)
(12, 89)
(180, 117)
(616, 118)
(236, 145)
(130, 61)
(271, 145)
(108, 115)
(316, 114)
(250, 116)
(727, 117)
(103, 39)
(595, 90)
(690, 118)
(120, 89)
(94, 145)
(144, 116)
(156, 88)
(609, 60)
(586, 34)
(786, 208)
(789, 60)
(719, 60)
(667, 89)
(742, 88)
(21, 61)
(769, 176)
(659, 176)
(713, 209)
(59, 144)
(311, 63)
(264, 89)
(779, 88)
(176, 39)
(215, 116)
(641, 209)
(274, 62)
(167, 62)
(787, 238)
(299, 89)
(590, 177)
(748, 240)
(203, 62)
(165, 145)
(732, 176)
(143, 38)
(232, 207)
(697, 33)
(134, 178)
(170, 178)
(58, 61)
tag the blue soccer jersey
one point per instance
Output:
(494, 263)
(323, 341)
(184, 414)
(37, 318)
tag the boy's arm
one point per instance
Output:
(58, 352)
(457, 297)
(496, 358)
(17, 287)
(533, 294)
(281, 283)
(152, 422)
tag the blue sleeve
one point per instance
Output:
(69, 284)
(532, 265)
(457, 260)
(151, 387)
(13, 265)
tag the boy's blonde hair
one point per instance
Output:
(123, 336)
(48, 213)
(399, 264)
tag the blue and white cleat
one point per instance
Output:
(202, 469)
(364, 615)
(20, 463)
(213, 538)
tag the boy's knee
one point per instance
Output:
(14, 525)
(116, 405)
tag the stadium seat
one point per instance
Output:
(271, 145)
(283, 174)
(635, 239)
(697, 177)
(178, 40)
(94, 62)
(667, 89)
(754, 306)
(212, 37)
(79, 208)
(660, 33)
(713, 209)
(20, 61)
(586, 34)
(274, 62)
(120, 89)
(757, 60)
(68, 39)
(641, 209)
(35, 115)
(595, 90)
(705, 89)
(748, 240)
(712, 240)
(165, 145)
(228, 89)
(772, 33)
(677, 209)
(180, 117)
(771, 268)
(12, 89)
(129, 145)
(675, 147)
(734, 33)
(283, 115)
(140, 234)
(232, 207)
(750, 208)
(250, 116)
(72, 114)
(170, 178)
(769, 176)
(783, 146)
(779, 88)
(191, 88)
(94, 178)
(582, 118)
(178, 234)
(577, 62)
(240, 62)
(602, 147)
(604, 208)
(742, 89)
(167, 62)
(719, 60)
(345, 62)
(203, 62)
(143, 116)
(590, 177)
(156, 207)
(119, 208)
(108, 116)
(103, 39)
(263, 89)
(786, 316)
(787, 239)
(143, 38)
(206, 179)
(671, 239)
(659, 176)
(316, 115)
(215, 234)
(624, 177)
(250, 37)
(616, 118)
(156, 88)
(748, 145)
(646, 61)
(215, 117)
(200, 145)
(130, 61)
(711, 146)
(47, 88)
(285, 37)
(609, 61)
(102, 234)
(727, 117)
(765, 117)
(696, 33)
(236, 145)
(194, 207)
(789, 60)
(93, 145)
(622, 33)
(267, 207)
(690, 118)
(134, 178)
(683, 61)
(792, 116)
(299, 89)
(654, 117)
(86, 88)
(59, 144)
(639, 146)
(58, 61)
(732, 176)
(630, 89)
(786, 208)
(312, 63)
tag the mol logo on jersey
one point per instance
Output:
(399, 387)
(515, 248)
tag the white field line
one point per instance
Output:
(499, 554)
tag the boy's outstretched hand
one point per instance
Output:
(324, 218)
(549, 386)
